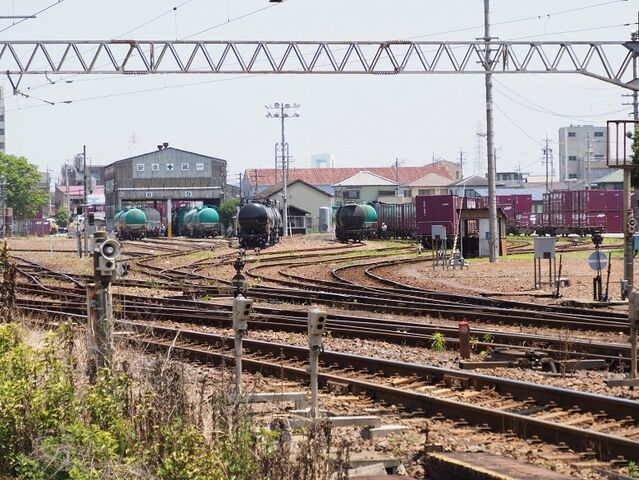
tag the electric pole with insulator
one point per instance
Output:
(493, 241)
(282, 111)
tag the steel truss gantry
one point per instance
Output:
(609, 61)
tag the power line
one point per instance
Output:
(34, 15)
(517, 125)
(523, 19)
(539, 109)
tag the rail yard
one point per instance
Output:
(533, 390)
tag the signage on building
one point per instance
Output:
(140, 167)
(170, 167)
(155, 167)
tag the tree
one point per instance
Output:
(22, 191)
(62, 217)
(228, 209)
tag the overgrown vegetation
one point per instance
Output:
(22, 189)
(8, 286)
(53, 425)
(438, 342)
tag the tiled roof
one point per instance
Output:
(365, 179)
(331, 176)
(431, 180)
(276, 188)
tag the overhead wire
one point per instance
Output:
(58, 2)
(276, 4)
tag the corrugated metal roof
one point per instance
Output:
(473, 181)
(331, 176)
(537, 193)
(614, 177)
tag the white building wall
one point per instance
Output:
(574, 143)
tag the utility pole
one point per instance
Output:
(628, 270)
(86, 202)
(239, 176)
(461, 164)
(588, 158)
(493, 241)
(281, 111)
(547, 151)
(397, 164)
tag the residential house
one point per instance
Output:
(467, 186)
(304, 203)
(256, 180)
(364, 187)
(429, 184)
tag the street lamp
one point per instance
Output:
(282, 111)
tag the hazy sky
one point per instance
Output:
(362, 120)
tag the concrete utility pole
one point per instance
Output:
(461, 164)
(628, 270)
(547, 153)
(86, 202)
(281, 111)
(588, 159)
(493, 242)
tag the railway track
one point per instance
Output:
(585, 422)
(35, 298)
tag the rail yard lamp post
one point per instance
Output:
(282, 111)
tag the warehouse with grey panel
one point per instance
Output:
(165, 179)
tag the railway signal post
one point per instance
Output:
(316, 327)
(242, 309)
(99, 300)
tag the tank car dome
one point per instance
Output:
(370, 214)
(252, 212)
(208, 215)
(135, 216)
(118, 215)
(189, 217)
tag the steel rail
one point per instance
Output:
(607, 445)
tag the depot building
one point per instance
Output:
(163, 179)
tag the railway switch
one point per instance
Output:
(104, 259)
(242, 310)
(316, 327)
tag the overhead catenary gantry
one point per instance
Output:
(609, 61)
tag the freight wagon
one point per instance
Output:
(399, 219)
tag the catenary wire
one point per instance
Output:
(34, 14)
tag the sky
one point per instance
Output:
(362, 120)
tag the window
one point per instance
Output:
(506, 176)
(572, 134)
(1, 145)
(424, 192)
(2, 118)
(599, 155)
(1, 131)
(407, 193)
(386, 193)
(351, 195)
(599, 134)
(572, 176)
(572, 158)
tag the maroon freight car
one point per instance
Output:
(438, 210)
(399, 219)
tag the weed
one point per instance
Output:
(488, 337)
(633, 470)
(438, 342)
(474, 343)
